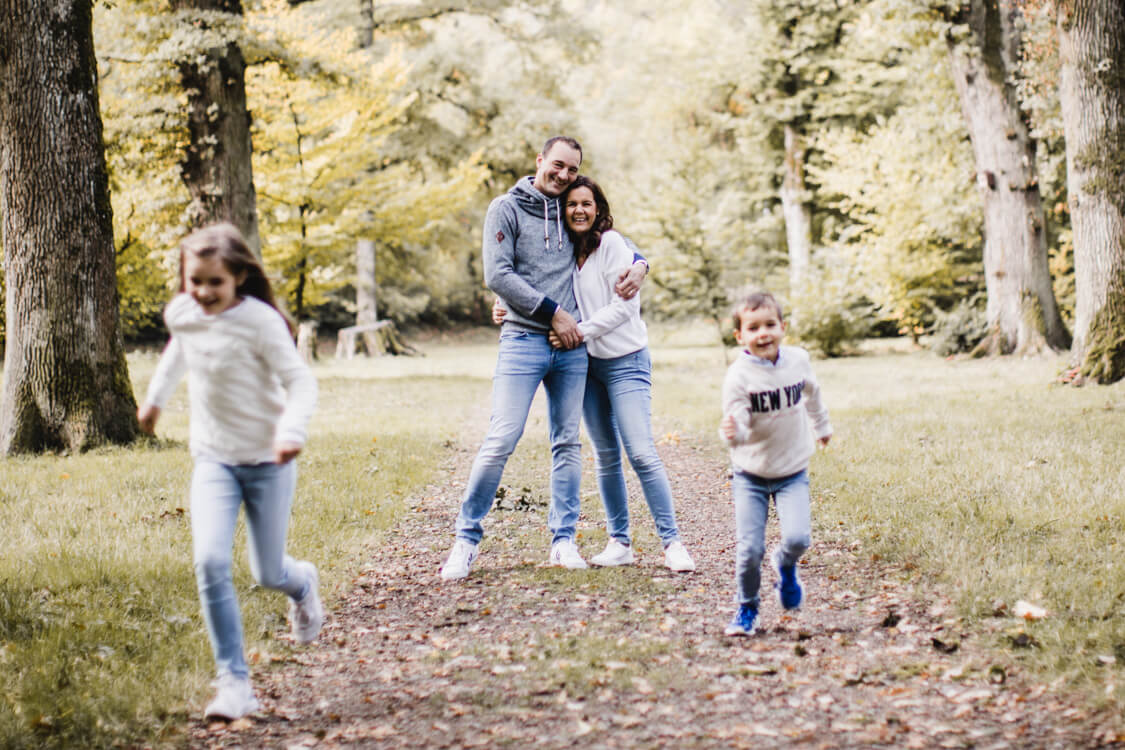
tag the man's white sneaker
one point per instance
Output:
(307, 616)
(615, 553)
(233, 700)
(565, 553)
(459, 561)
(677, 558)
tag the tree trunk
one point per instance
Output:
(1092, 94)
(365, 32)
(796, 210)
(216, 167)
(365, 310)
(1023, 317)
(66, 383)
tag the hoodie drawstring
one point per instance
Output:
(546, 228)
(547, 225)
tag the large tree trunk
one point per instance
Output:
(796, 210)
(1092, 94)
(1023, 316)
(66, 384)
(216, 168)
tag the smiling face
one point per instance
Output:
(210, 284)
(760, 331)
(581, 210)
(556, 169)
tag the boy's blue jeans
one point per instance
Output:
(617, 409)
(217, 492)
(524, 361)
(751, 509)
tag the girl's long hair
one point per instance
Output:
(586, 243)
(223, 240)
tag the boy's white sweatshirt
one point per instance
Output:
(248, 386)
(777, 412)
(611, 326)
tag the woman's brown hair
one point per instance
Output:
(586, 243)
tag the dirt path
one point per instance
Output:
(522, 655)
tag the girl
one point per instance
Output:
(251, 399)
(617, 404)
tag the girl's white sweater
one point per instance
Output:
(248, 386)
(611, 326)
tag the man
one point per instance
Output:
(528, 260)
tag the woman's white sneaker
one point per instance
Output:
(460, 559)
(615, 553)
(677, 558)
(234, 698)
(565, 553)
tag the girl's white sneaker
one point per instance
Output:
(307, 616)
(615, 553)
(676, 557)
(234, 699)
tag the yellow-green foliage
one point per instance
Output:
(912, 215)
(321, 119)
(321, 112)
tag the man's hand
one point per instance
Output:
(284, 451)
(728, 427)
(498, 311)
(629, 281)
(554, 340)
(147, 416)
(566, 328)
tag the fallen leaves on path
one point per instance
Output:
(521, 654)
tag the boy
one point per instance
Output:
(771, 413)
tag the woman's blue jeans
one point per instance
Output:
(751, 509)
(217, 492)
(524, 361)
(617, 409)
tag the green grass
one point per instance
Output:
(981, 477)
(978, 477)
(101, 640)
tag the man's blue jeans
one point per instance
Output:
(751, 509)
(617, 409)
(525, 360)
(217, 492)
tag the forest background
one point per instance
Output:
(709, 123)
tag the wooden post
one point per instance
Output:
(306, 340)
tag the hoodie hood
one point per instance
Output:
(543, 207)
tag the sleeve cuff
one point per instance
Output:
(546, 311)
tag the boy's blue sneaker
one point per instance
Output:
(744, 622)
(789, 590)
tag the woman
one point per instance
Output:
(617, 403)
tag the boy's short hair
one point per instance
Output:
(753, 301)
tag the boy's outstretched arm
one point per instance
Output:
(734, 428)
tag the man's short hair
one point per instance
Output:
(564, 139)
(753, 301)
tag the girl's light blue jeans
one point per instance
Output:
(751, 509)
(217, 492)
(617, 410)
(524, 361)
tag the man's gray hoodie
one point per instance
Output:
(528, 257)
